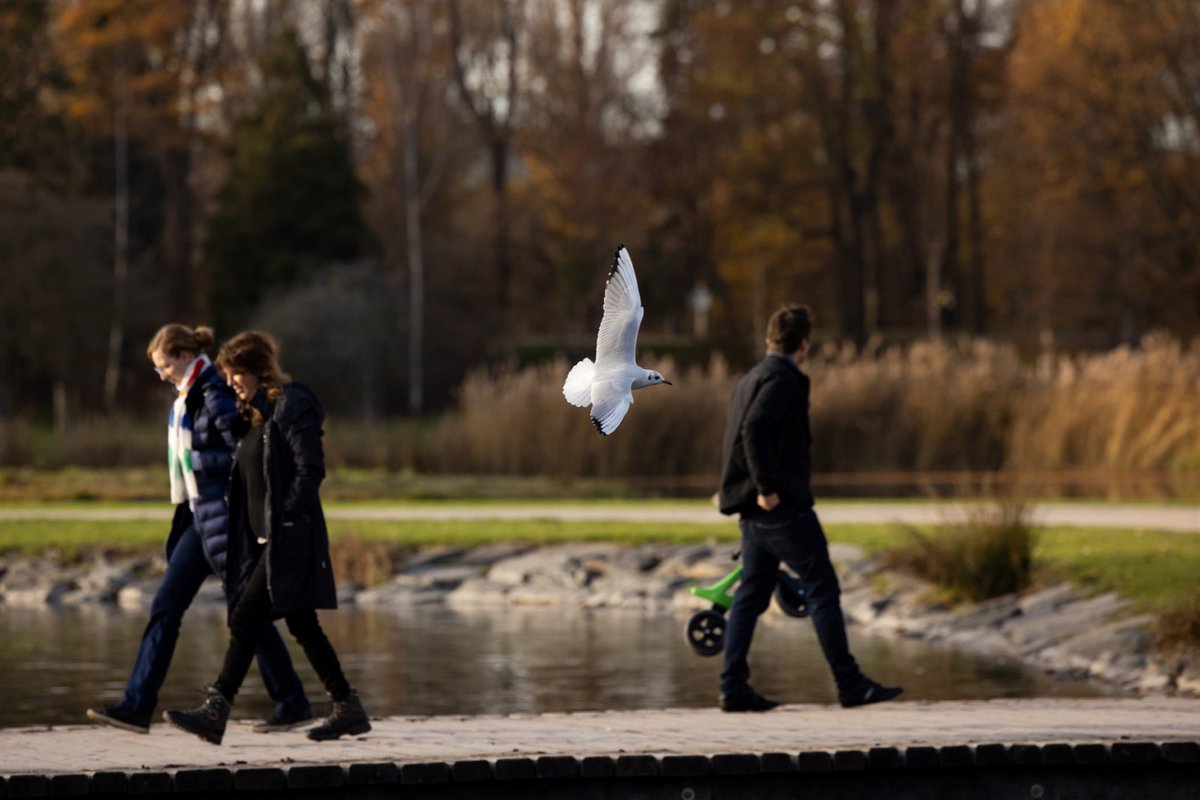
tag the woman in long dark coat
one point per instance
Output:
(201, 444)
(278, 564)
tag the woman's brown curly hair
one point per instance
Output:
(255, 353)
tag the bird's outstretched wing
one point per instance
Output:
(616, 344)
(610, 401)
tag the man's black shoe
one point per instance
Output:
(866, 693)
(283, 720)
(748, 700)
(118, 717)
(348, 719)
(207, 720)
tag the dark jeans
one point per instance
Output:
(793, 536)
(186, 571)
(253, 615)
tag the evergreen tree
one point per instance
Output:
(290, 203)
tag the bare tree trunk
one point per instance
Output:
(416, 272)
(116, 331)
(933, 291)
(496, 128)
(977, 304)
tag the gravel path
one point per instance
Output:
(1175, 518)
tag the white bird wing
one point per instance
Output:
(610, 400)
(616, 344)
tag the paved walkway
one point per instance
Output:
(1176, 518)
(701, 732)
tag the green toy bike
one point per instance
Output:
(705, 631)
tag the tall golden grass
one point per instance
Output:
(517, 422)
(930, 405)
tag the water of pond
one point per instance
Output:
(434, 660)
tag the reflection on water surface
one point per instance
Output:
(434, 660)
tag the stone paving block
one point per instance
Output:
(149, 782)
(735, 764)
(921, 757)
(884, 758)
(956, 755)
(28, 786)
(109, 782)
(1181, 752)
(381, 774)
(515, 769)
(849, 761)
(69, 785)
(814, 761)
(1058, 753)
(425, 773)
(259, 779)
(1091, 753)
(316, 776)
(597, 767)
(551, 767)
(777, 763)
(472, 770)
(684, 766)
(203, 780)
(991, 755)
(1025, 754)
(637, 766)
(1134, 753)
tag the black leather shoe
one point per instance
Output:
(118, 717)
(348, 719)
(748, 700)
(866, 693)
(207, 720)
(282, 720)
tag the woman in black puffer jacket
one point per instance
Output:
(201, 444)
(278, 563)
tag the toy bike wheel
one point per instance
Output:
(791, 599)
(706, 633)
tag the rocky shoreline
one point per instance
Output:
(1057, 629)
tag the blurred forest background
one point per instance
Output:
(993, 207)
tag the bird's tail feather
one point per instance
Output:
(578, 386)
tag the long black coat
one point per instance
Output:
(299, 575)
(768, 441)
(213, 409)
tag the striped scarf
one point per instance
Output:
(179, 439)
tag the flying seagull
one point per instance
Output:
(608, 384)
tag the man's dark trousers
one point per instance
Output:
(793, 536)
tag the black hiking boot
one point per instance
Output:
(283, 720)
(119, 717)
(748, 700)
(206, 720)
(347, 719)
(866, 693)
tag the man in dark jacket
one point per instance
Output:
(766, 481)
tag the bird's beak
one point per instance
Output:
(667, 382)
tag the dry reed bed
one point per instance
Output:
(970, 405)
(931, 405)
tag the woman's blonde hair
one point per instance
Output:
(174, 339)
(256, 353)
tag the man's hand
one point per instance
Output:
(768, 502)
